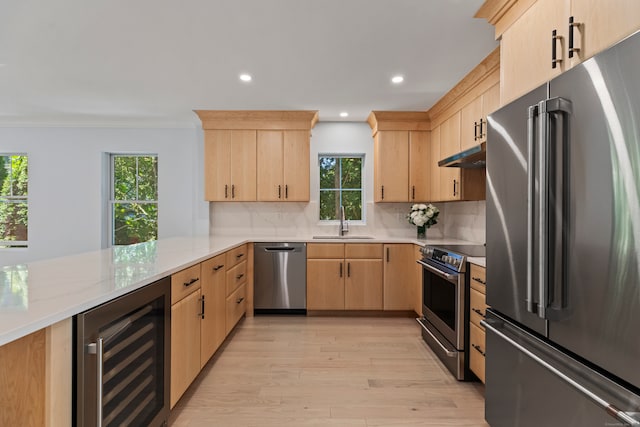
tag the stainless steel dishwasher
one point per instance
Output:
(280, 278)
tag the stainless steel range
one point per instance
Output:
(445, 303)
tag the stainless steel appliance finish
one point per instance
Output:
(122, 360)
(563, 237)
(474, 157)
(280, 277)
(445, 304)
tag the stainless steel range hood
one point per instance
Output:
(474, 157)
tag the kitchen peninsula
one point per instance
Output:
(36, 326)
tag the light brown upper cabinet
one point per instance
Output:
(401, 156)
(540, 39)
(230, 165)
(473, 117)
(391, 166)
(283, 165)
(257, 155)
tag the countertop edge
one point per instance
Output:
(211, 247)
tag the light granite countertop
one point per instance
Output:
(38, 294)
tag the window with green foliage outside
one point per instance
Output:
(134, 198)
(340, 185)
(14, 182)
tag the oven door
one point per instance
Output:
(443, 301)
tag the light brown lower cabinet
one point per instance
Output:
(350, 283)
(208, 300)
(399, 276)
(477, 312)
(363, 284)
(185, 344)
(214, 291)
(325, 284)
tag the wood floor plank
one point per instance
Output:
(299, 371)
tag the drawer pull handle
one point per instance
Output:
(239, 300)
(239, 256)
(190, 282)
(477, 347)
(239, 276)
(218, 267)
(479, 280)
(480, 312)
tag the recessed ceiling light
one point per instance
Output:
(245, 77)
(397, 79)
(344, 114)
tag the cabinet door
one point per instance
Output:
(470, 116)
(185, 344)
(399, 276)
(525, 48)
(435, 169)
(417, 281)
(419, 166)
(490, 103)
(213, 288)
(363, 284)
(270, 180)
(325, 284)
(391, 171)
(243, 165)
(450, 144)
(217, 165)
(602, 23)
(296, 165)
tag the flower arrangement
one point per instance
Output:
(424, 216)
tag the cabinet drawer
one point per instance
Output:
(236, 256)
(363, 250)
(478, 307)
(476, 351)
(325, 250)
(478, 277)
(236, 306)
(236, 276)
(184, 282)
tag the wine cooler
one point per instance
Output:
(122, 360)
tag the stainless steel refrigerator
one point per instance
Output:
(563, 249)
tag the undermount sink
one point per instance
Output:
(344, 237)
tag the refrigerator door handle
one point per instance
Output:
(545, 156)
(542, 208)
(531, 165)
(625, 417)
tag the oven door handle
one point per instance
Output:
(448, 277)
(448, 352)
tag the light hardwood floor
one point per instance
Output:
(318, 371)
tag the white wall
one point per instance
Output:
(382, 219)
(66, 177)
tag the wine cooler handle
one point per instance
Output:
(97, 348)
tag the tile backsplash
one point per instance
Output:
(460, 220)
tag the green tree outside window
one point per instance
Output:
(134, 199)
(14, 183)
(340, 185)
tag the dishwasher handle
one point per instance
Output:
(279, 249)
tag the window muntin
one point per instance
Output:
(134, 198)
(341, 185)
(14, 207)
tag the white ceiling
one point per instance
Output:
(151, 62)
